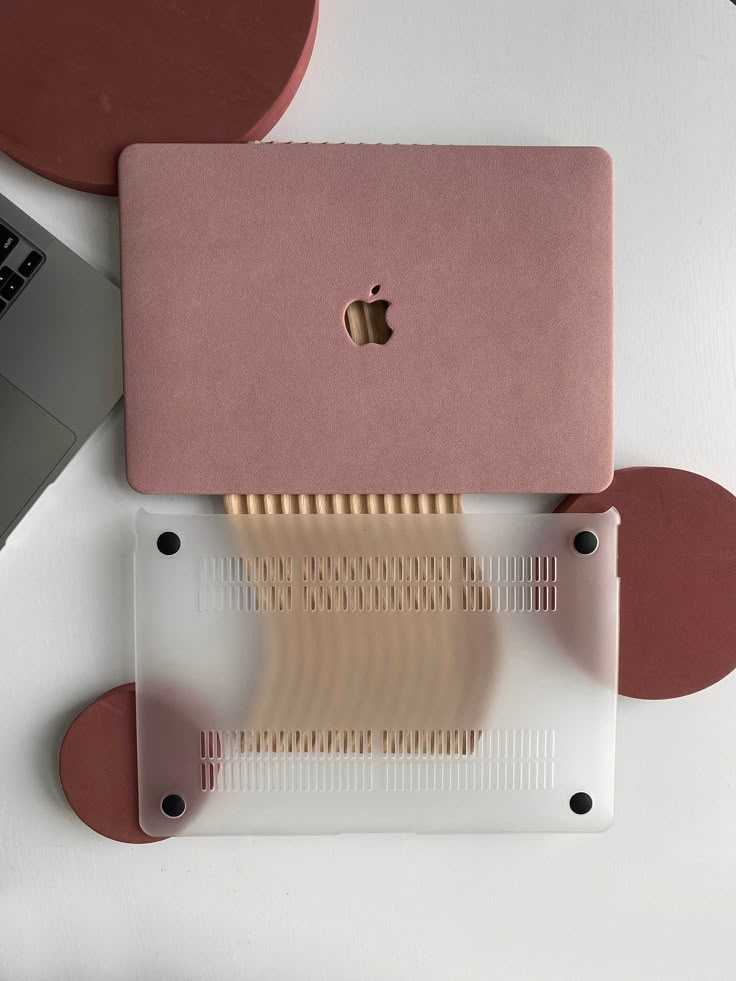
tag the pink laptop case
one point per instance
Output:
(238, 263)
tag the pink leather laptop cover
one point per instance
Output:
(238, 263)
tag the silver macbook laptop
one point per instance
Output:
(60, 359)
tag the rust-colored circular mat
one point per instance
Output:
(677, 562)
(98, 767)
(82, 80)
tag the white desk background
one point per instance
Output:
(654, 897)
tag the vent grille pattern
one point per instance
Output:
(240, 584)
(234, 744)
(245, 599)
(497, 744)
(240, 569)
(377, 568)
(509, 568)
(408, 743)
(400, 598)
(296, 760)
(510, 599)
(494, 759)
(509, 583)
(501, 775)
(378, 584)
(312, 760)
(296, 776)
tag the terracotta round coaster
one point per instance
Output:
(98, 767)
(82, 80)
(677, 562)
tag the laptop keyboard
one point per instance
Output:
(19, 260)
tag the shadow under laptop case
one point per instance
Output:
(493, 266)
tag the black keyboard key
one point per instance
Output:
(5, 273)
(8, 241)
(12, 286)
(31, 263)
(3, 304)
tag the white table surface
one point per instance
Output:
(653, 898)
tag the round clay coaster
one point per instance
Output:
(98, 767)
(82, 80)
(677, 563)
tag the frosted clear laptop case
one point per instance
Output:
(333, 673)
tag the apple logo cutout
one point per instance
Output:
(365, 320)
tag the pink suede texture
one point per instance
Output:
(238, 262)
